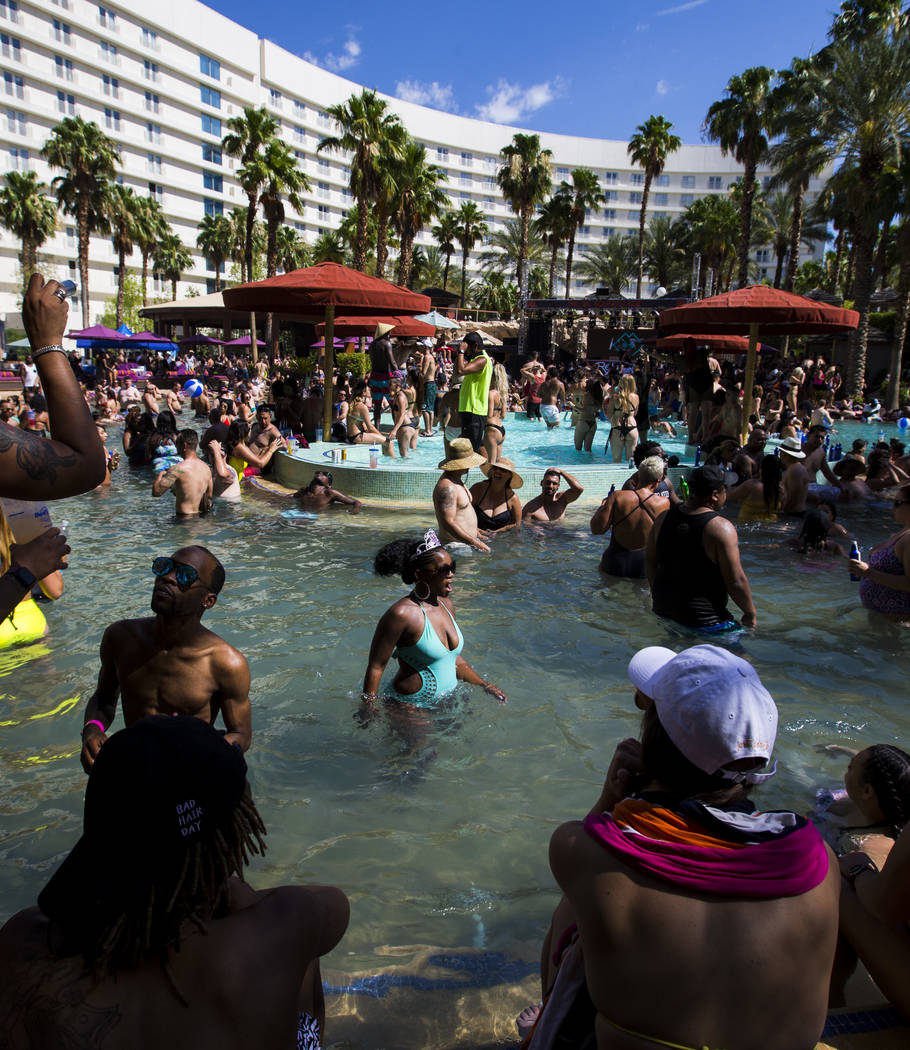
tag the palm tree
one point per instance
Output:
(89, 159)
(292, 250)
(151, 226)
(29, 214)
(497, 294)
(237, 252)
(649, 148)
(214, 241)
(391, 168)
(365, 129)
(504, 248)
(283, 179)
(865, 107)
(664, 254)
(552, 223)
(778, 227)
(740, 123)
(444, 234)
(172, 258)
(609, 265)
(903, 286)
(710, 226)
(525, 181)
(249, 139)
(123, 215)
(419, 200)
(585, 193)
(471, 229)
(328, 247)
(427, 268)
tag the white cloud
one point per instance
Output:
(510, 102)
(337, 63)
(435, 95)
(642, 27)
(662, 87)
(681, 7)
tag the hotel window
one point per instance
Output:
(323, 211)
(151, 101)
(661, 200)
(635, 198)
(150, 70)
(662, 180)
(156, 191)
(64, 67)
(611, 195)
(211, 125)
(300, 227)
(106, 18)
(633, 216)
(715, 182)
(609, 214)
(65, 4)
(153, 133)
(213, 207)
(300, 134)
(467, 159)
(465, 179)
(763, 255)
(149, 38)
(110, 85)
(688, 182)
(9, 10)
(322, 117)
(213, 182)
(562, 173)
(112, 119)
(153, 163)
(275, 98)
(15, 122)
(442, 152)
(18, 158)
(109, 52)
(608, 231)
(300, 156)
(62, 32)
(299, 108)
(611, 178)
(14, 85)
(323, 190)
(637, 179)
(323, 163)
(210, 96)
(211, 154)
(66, 104)
(685, 199)
(210, 67)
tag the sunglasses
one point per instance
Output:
(443, 570)
(185, 575)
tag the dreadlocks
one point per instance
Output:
(887, 772)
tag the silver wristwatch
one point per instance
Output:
(46, 350)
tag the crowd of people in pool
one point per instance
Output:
(685, 910)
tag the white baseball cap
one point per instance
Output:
(711, 704)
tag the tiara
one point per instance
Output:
(430, 542)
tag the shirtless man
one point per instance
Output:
(264, 433)
(405, 428)
(852, 488)
(169, 821)
(796, 477)
(816, 456)
(319, 494)
(676, 958)
(128, 395)
(428, 368)
(150, 398)
(455, 514)
(450, 418)
(191, 480)
(551, 504)
(552, 398)
(630, 514)
(169, 664)
(382, 365)
(754, 447)
(174, 402)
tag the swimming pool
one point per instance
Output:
(443, 853)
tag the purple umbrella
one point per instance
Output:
(321, 344)
(244, 340)
(98, 331)
(200, 340)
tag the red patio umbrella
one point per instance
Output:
(733, 344)
(755, 309)
(317, 293)
(405, 327)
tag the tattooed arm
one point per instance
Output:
(73, 461)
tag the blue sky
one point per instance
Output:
(541, 65)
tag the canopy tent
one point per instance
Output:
(199, 340)
(756, 309)
(18, 344)
(244, 340)
(319, 292)
(150, 341)
(403, 327)
(97, 337)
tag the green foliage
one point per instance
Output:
(357, 364)
(884, 322)
(132, 304)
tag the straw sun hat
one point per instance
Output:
(503, 464)
(463, 456)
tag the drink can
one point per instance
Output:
(336, 455)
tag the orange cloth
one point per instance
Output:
(667, 826)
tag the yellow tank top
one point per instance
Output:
(475, 389)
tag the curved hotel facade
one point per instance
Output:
(162, 78)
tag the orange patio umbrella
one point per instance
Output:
(753, 310)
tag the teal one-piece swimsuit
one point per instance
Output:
(433, 661)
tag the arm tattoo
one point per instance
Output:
(35, 456)
(447, 497)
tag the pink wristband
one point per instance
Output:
(94, 722)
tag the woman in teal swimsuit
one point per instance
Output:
(420, 629)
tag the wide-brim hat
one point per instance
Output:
(382, 329)
(793, 447)
(463, 456)
(503, 464)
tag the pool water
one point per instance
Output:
(438, 837)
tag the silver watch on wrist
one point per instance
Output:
(46, 350)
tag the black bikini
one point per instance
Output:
(491, 523)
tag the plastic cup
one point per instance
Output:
(318, 435)
(374, 456)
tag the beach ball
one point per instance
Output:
(903, 423)
(192, 388)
